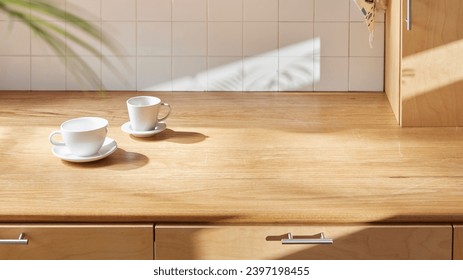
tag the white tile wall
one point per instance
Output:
(118, 10)
(261, 10)
(189, 10)
(154, 10)
(154, 74)
(15, 73)
(16, 38)
(260, 39)
(47, 73)
(225, 10)
(198, 45)
(76, 82)
(154, 38)
(296, 10)
(260, 74)
(225, 74)
(189, 73)
(225, 39)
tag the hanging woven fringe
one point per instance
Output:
(368, 9)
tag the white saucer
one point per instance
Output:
(161, 126)
(62, 152)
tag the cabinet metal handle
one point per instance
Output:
(408, 20)
(321, 240)
(20, 241)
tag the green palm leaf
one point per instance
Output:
(53, 35)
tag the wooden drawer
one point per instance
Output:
(264, 242)
(78, 242)
(458, 242)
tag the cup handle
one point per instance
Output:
(168, 113)
(56, 143)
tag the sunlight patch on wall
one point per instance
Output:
(265, 72)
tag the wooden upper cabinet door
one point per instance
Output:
(458, 243)
(264, 242)
(432, 64)
(85, 242)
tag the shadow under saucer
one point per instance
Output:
(181, 137)
(119, 160)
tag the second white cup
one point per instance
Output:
(144, 111)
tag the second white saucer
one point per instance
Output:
(161, 126)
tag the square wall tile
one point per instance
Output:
(332, 10)
(88, 10)
(331, 73)
(357, 15)
(296, 39)
(189, 74)
(75, 81)
(154, 10)
(260, 74)
(261, 10)
(260, 39)
(225, 74)
(296, 73)
(48, 73)
(366, 74)
(123, 36)
(154, 38)
(16, 38)
(296, 10)
(118, 10)
(15, 73)
(189, 10)
(359, 40)
(74, 48)
(334, 38)
(189, 38)
(120, 73)
(40, 47)
(225, 39)
(225, 10)
(154, 74)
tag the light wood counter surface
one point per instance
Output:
(289, 158)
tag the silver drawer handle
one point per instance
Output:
(408, 20)
(321, 240)
(20, 241)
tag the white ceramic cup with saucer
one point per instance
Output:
(144, 112)
(82, 136)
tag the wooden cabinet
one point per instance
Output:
(458, 242)
(424, 65)
(78, 242)
(265, 242)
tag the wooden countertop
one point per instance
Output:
(290, 158)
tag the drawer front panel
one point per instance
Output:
(458, 243)
(265, 242)
(78, 242)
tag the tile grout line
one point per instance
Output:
(242, 45)
(171, 46)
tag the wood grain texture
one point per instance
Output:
(264, 242)
(78, 242)
(288, 158)
(432, 72)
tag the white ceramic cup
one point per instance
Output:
(143, 112)
(82, 136)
